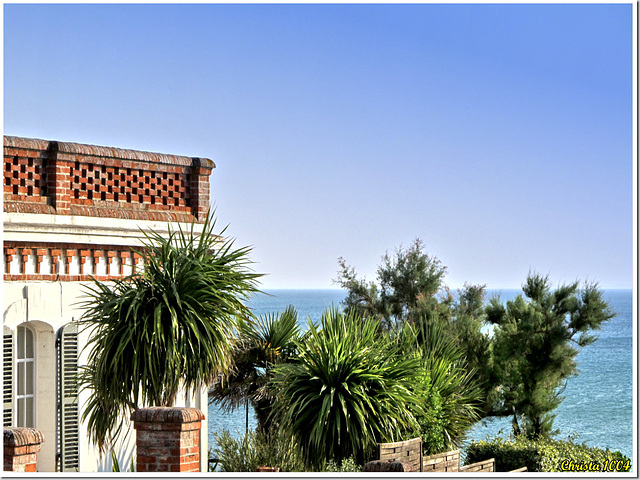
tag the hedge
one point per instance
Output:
(546, 455)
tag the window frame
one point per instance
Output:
(24, 417)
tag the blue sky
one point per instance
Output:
(501, 135)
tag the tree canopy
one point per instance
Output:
(534, 348)
(523, 365)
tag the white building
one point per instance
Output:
(73, 211)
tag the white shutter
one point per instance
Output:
(68, 418)
(7, 377)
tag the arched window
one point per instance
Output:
(25, 385)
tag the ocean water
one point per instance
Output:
(598, 404)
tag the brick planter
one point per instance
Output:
(167, 439)
(21, 447)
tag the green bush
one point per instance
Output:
(347, 465)
(545, 455)
(246, 453)
(449, 395)
(349, 388)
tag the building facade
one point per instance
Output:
(73, 212)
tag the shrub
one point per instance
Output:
(450, 397)
(348, 389)
(347, 465)
(544, 455)
(246, 453)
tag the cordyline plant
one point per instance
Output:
(348, 388)
(167, 327)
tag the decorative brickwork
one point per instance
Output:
(74, 179)
(21, 446)
(167, 439)
(68, 262)
(25, 177)
(99, 184)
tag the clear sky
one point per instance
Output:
(501, 135)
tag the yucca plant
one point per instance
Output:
(348, 389)
(261, 344)
(451, 395)
(166, 327)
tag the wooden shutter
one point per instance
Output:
(7, 377)
(68, 417)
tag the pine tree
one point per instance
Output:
(535, 344)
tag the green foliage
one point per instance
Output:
(348, 389)
(466, 326)
(534, 349)
(347, 465)
(115, 464)
(267, 341)
(406, 278)
(450, 396)
(246, 453)
(362, 296)
(411, 291)
(169, 326)
(410, 296)
(543, 455)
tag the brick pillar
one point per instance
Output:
(59, 180)
(199, 188)
(167, 439)
(21, 446)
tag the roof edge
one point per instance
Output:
(107, 152)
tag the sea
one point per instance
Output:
(598, 404)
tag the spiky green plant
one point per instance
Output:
(261, 344)
(262, 448)
(167, 327)
(451, 395)
(348, 389)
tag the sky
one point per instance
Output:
(500, 135)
